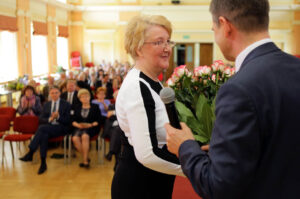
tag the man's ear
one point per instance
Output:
(227, 26)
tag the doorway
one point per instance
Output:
(186, 54)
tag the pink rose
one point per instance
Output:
(198, 71)
(206, 70)
(175, 77)
(170, 82)
(227, 71)
(232, 71)
(213, 78)
(218, 65)
(180, 70)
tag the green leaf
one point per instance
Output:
(201, 139)
(199, 106)
(207, 117)
(183, 110)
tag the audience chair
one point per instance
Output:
(8, 111)
(4, 125)
(24, 128)
(60, 139)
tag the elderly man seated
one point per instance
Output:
(54, 122)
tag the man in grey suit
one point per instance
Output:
(254, 150)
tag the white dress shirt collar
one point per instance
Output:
(57, 104)
(242, 56)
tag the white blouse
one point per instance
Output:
(142, 115)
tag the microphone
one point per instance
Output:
(167, 95)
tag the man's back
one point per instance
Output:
(264, 142)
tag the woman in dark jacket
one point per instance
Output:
(86, 120)
(30, 103)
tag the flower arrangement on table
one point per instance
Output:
(17, 84)
(195, 96)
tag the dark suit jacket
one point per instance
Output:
(63, 110)
(75, 101)
(93, 116)
(254, 150)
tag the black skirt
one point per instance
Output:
(132, 180)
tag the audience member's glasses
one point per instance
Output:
(162, 43)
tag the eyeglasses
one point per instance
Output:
(162, 43)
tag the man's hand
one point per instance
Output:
(175, 137)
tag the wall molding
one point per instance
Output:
(77, 23)
(51, 19)
(193, 31)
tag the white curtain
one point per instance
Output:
(39, 54)
(62, 52)
(8, 56)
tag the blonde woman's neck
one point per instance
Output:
(147, 70)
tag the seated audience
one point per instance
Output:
(46, 88)
(112, 131)
(62, 78)
(63, 86)
(71, 94)
(37, 89)
(106, 83)
(54, 122)
(101, 102)
(30, 103)
(86, 123)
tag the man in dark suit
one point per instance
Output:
(71, 94)
(106, 83)
(254, 150)
(54, 122)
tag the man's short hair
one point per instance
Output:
(245, 15)
(54, 87)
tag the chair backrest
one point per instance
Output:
(4, 123)
(8, 111)
(26, 124)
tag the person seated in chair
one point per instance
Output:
(30, 103)
(112, 131)
(101, 102)
(71, 94)
(86, 120)
(54, 122)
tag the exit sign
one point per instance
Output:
(186, 36)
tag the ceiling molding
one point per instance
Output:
(84, 8)
(101, 31)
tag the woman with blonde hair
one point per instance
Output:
(146, 168)
(86, 122)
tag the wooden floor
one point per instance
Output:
(20, 180)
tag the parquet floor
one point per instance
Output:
(20, 180)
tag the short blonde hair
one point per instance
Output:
(100, 89)
(83, 91)
(136, 31)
